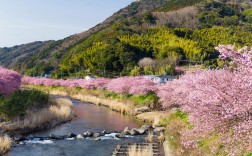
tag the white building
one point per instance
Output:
(160, 78)
(89, 77)
(151, 77)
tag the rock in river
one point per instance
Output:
(79, 136)
(96, 135)
(133, 131)
(140, 131)
(126, 131)
(71, 135)
(56, 137)
(97, 139)
(18, 138)
(104, 132)
(146, 127)
(120, 135)
(88, 134)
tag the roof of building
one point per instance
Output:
(150, 76)
(90, 77)
(166, 76)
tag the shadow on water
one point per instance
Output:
(89, 118)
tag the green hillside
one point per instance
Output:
(177, 4)
(163, 30)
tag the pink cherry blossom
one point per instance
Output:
(131, 85)
(10, 81)
(218, 101)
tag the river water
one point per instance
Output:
(89, 118)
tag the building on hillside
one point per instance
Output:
(151, 77)
(160, 78)
(164, 78)
(89, 77)
(47, 76)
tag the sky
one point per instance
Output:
(24, 21)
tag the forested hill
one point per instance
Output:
(163, 30)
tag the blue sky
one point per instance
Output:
(24, 21)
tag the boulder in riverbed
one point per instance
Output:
(126, 131)
(21, 143)
(88, 134)
(133, 131)
(79, 136)
(146, 127)
(96, 135)
(97, 139)
(104, 132)
(18, 138)
(120, 135)
(71, 135)
(56, 137)
(140, 131)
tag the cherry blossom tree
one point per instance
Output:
(10, 81)
(71, 83)
(217, 101)
(131, 85)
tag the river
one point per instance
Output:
(89, 118)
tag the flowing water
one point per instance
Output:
(89, 118)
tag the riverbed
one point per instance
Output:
(89, 117)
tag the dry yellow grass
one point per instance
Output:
(59, 111)
(58, 92)
(92, 96)
(161, 138)
(153, 117)
(61, 102)
(150, 137)
(156, 121)
(5, 144)
(134, 150)
(111, 103)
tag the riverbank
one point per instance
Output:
(117, 103)
(57, 111)
(121, 103)
(174, 121)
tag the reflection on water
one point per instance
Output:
(89, 118)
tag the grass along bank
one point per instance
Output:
(17, 104)
(57, 111)
(5, 144)
(26, 111)
(124, 103)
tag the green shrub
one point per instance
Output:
(163, 122)
(150, 100)
(181, 115)
(148, 17)
(20, 101)
(112, 95)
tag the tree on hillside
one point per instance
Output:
(146, 62)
